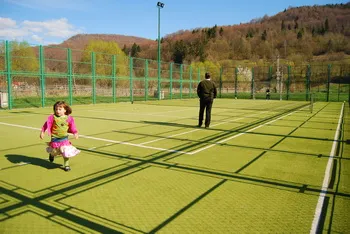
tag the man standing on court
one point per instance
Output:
(206, 92)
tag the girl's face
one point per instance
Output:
(60, 111)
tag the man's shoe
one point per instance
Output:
(206, 126)
(199, 125)
(67, 168)
(51, 158)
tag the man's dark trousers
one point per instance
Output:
(205, 103)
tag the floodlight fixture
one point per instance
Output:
(160, 4)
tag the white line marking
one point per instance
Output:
(183, 133)
(20, 126)
(240, 134)
(132, 144)
(142, 114)
(325, 183)
(106, 140)
(13, 116)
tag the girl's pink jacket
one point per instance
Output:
(48, 125)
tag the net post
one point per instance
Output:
(311, 102)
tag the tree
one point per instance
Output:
(125, 49)
(283, 26)
(330, 46)
(104, 52)
(23, 57)
(326, 25)
(264, 35)
(179, 52)
(135, 49)
(300, 35)
(296, 25)
(221, 31)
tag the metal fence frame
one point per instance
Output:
(80, 79)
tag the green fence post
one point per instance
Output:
(130, 79)
(70, 73)
(42, 75)
(252, 85)
(220, 84)
(307, 82)
(190, 81)
(181, 70)
(270, 74)
(338, 91)
(146, 79)
(93, 74)
(236, 80)
(288, 81)
(8, 74)
(114, 94)
(199, 75)
(171, 80)
(328, 80)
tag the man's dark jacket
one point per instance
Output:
(206, 89)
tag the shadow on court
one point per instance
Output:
(23, 160)
(170, 124)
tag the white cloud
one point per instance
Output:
(6, 23)
(55, 28)
(37, 38)
(37, 31)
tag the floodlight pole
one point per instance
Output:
(279, 80)
(159, 5)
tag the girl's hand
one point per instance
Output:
(42, 134)
(76, 135)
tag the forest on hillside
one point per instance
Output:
(296, 34)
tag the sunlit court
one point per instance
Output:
(262, 166)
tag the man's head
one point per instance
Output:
(207, 75)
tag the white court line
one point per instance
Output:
(137, 113)
(106, 140)
(183, 133)
(20, 164)
(13, 116)
(136, 145)
(240, 134)
(325, 183)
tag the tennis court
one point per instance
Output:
(261, 167)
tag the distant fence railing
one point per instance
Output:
(37, 76)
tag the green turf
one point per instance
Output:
(146, 168)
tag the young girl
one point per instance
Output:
(58, 126)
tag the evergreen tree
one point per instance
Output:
(179, 52)
(283, 26)
(326, 25)
(135, 49)
(264, 35)
(221, 32)
(300, 35)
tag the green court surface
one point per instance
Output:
(261, 167)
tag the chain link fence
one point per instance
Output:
(38, 76)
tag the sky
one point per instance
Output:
(43, 22)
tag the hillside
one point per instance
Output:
(79, 41)
(299, 33)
